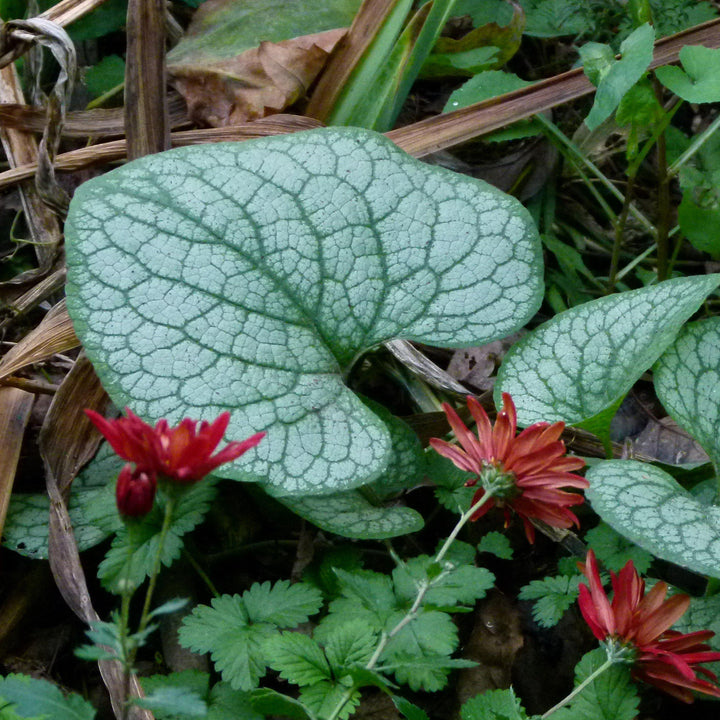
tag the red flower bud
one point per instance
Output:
(135, 491)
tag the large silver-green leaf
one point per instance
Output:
(583, 360)
(687, 381)
(250, 276)
(649, 507)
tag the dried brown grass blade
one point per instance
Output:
(457, 127)
(15, 407)
(84, 123)
(147, 125)
(21, 148)
(349, 50)
(55, 334)
(116, 149)
(67, 441)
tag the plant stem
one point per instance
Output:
(663, 179)
(203, 575)
(411, 614)
(619, 235)
(697, 142)
(579, 688)
(167, 521)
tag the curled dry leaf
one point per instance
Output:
(257, 82)
(476, 366)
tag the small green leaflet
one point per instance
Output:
(649, 507)
(493, 705)
(699, 79)
(611, 696)
(615, 78)
(131, 557)
(687, 378)
(222, 702)
(235, 628)
(352, 645)
(427, 672)
(298, 659)
(497, 544)
(31, 697)
(251, 276)
(456, 584)
(585, 359)
(408, 710)
(553, 596)
(613, 550)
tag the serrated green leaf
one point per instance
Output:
(622, 74)
(195, 682)
(298, 659)
(226, 703)
(235, 645)
(31, 697)
(428, 673)
(367, 597)
(553, 595)
(699, 79)
(450, 482)
(271, 702)
(553, 18)
(493, 705)
(430, 633)
(323, 697)
(647, 506)
(497, 544)
(250, 276)
(8, 713)
(613, 550)
(173, 702)
(580, 362)
(611, 696)
(456, 584)
(26, 525)
(281, 604)
(687, 377)
(408, 710)
(350, 514)
(352, 644)
(131, 557)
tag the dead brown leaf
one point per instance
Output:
(258, 82)
(474, 366)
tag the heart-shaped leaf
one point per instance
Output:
(583, 360)
(687, 378)
(647, 506)
(250, 277)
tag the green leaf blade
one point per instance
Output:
(249, 276)
(583, 360)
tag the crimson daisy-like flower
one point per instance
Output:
(665, 658)
(184, 454)
(534, 464)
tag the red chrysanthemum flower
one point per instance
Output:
(665, 658)
(135, 491)
(182, 454)
(534, 463)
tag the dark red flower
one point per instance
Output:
(534, 462)
(183, 453)
(135, 491)
(665, 658)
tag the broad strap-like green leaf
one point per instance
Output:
(250, 276)
(687, 381)
(649, 507)
(583, 360)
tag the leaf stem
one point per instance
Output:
(608, 663)
(412, 613)
(697, 142)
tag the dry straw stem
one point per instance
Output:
(67, 441)
(55, 334)
(15, 407)
(116, 149)
(459, 126)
